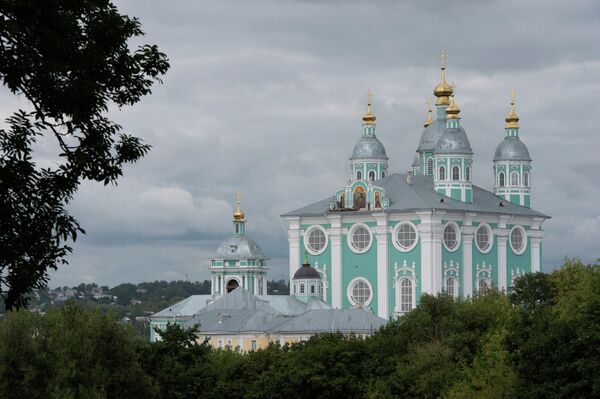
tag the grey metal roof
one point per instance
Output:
(239, 247)
(512, 149)
(368, 147)
(422, 196)
(333, 320)
(431, 135)
(187, 307)
(453, 141)
(305, 272)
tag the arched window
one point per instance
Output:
(406, 295)
(514, 179)
(430, 166)
(468, 173)
(371, 175)
(312, 288)
(526, 179)
(450, 286)
(302, 288)
(455, 173)
(442, 173)
(483, 286)
(382, 175)
(358, 175)
(501, 179)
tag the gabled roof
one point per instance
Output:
(187, 307)
(420, 196)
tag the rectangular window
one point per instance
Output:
(253, 345)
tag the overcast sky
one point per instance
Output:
(266, 97)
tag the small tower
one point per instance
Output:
(453, 159)
(512, 163)
(307, 282)
(239, 261)
(434, 129)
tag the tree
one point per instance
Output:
(71, 61)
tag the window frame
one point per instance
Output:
(468, 173)
(359, 175)
(307, 233)
(501, 179)
(395, 236)
(349, 238)
(524, 237)
(402, 295)
(350, 287)
(429, 166)
(457, 230)
(490, 238)
(453, 280)
(456, 169)
(526, 179)
(442, 173)
(371, 175)
(514, 174)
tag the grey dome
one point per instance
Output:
(239, 247)
(306, 272)
(368, 147)
(431, 135)
(453, 141)
(511, 149)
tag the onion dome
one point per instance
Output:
(238, 215)
(443, 90)
(512, 119)
(306, 272)
(452, 110)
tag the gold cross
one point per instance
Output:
(238, 195)
(513, 95)
(429, 103)
(369, 95)
(443, 59)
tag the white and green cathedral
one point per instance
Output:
(384, 239)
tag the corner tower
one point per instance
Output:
(453, 159)
(512, 163)
(239, 261)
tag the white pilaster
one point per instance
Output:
(430, 231)
(502, 238)
(467, 239)
(382, 265)
(535, 238)
(335, 235)
(294, 246)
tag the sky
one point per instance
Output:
(266, 97)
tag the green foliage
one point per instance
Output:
(542, 341)
(70, 60)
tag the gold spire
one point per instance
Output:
(369, 116)
(238, 215)
(443, 90)
(512, 119)
(452, 111)
(429, 120)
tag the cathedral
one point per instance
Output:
(383, 239)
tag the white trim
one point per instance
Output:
(491, 238)
(395, 234)
(458, 235)
(349, 291)
(524, 233)
(351, 232)
(309, 230)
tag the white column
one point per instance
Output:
(294, 245)
(467, 239)
(335, 234)
(535, 239)
(264, 278)
(382, 265)
(430, 231)
(502, 237)
(436, 246)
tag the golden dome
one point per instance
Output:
(443, 90)
(369, 117)
(452, 110)
(429, 120)
(238, 215)
(512, 119)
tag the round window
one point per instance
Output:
(360, 238)
(483, 238)
(315, 240)
(451, 236)
(360, 293)
(518, 240)
(405, 236)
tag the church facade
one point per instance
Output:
(384, 239)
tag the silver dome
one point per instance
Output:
(511, 149)
(368, 147)
(453, 141)
(431, 135)
(239, 247)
